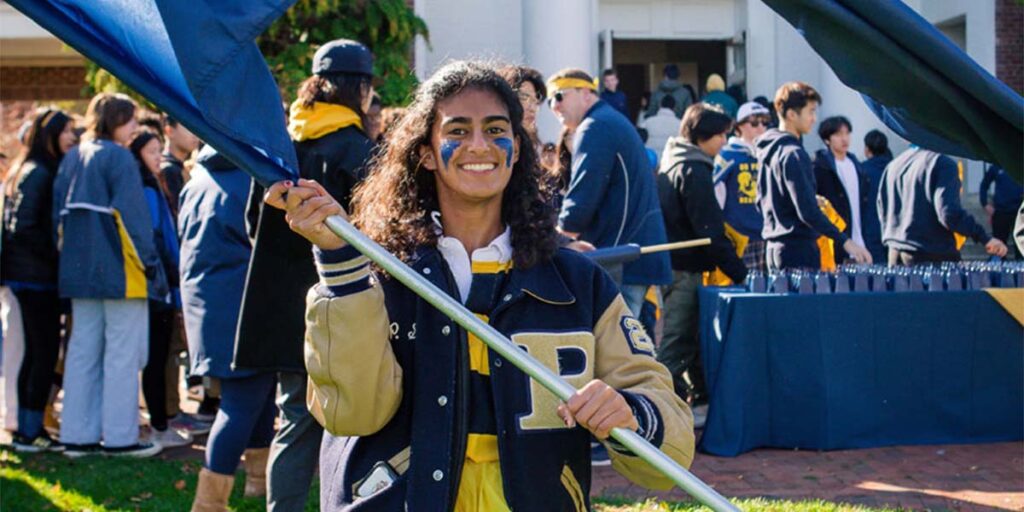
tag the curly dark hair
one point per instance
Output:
(393, 205)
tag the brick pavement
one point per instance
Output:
(951, 477)
(959, 478)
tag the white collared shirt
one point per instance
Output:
(460, 263)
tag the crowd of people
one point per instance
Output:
(125, 243)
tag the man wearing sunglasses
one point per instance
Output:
(735, 179)
(612, 197)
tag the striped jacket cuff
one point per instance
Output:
(342, 271)
(647, 416)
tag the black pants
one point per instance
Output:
(797, 253)
(1002, 228)
(40, 314)
(680, 346)
(154, 387)
(898, 257)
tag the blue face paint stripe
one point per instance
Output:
(505, 143)
(448, 148)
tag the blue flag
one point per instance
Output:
(195, 59)
(915, 79)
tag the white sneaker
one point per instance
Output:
(171, 437)
(137, 450)
(700, 415)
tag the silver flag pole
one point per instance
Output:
(503, 346)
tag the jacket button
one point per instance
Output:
(497, 363)
(442, 400)
(446, 330)
(426, 271)
(507, 297)
(438, 475)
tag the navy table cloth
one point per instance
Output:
(859, 370)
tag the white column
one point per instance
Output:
(558, 35)
(760, 46)
(981, 46)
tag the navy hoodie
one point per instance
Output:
(919, 205)
(786, 191)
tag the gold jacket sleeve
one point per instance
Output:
(625, 362)
(355, 381)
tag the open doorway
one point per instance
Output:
(639, 64)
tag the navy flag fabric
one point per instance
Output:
(917, 81)
(197, 60)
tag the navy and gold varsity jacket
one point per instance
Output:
(390, 378)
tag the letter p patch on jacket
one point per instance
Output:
(570, 355)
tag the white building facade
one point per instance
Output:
(742, 40)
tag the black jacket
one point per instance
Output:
(873, 168)
(336, 160)
(691, 211)
(919, 205)
(29, 251)
(173, 171)
(272, 320)
(786, 191)
(830, 186)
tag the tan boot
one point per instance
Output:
(50, 421)
(255, 462)
(213, 492)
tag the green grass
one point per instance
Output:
(53, 482)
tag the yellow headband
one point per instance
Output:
(559, 84)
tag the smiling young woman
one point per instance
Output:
(420, 414)
(394, 205)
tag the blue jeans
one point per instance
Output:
(245, 420)
(634, 294)
(295, 452)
